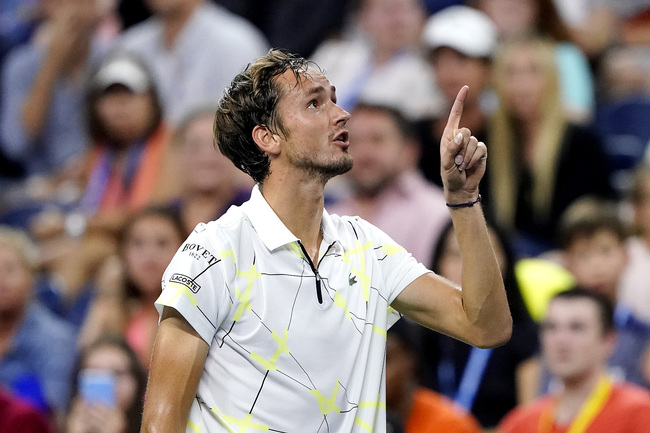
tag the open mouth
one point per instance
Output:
(343, 137)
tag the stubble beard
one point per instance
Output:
(323, 170)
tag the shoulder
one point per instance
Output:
(355, 227)
(631, 396)
(21, 416)
(442, 412)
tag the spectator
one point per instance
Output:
(592, 24)
(488, 383)
(540, 18)
(593, 237)
(18, 416)
(385, 187)
(210, 183)
(111, 355)
(533, 174)
(577, 338)
(419, 409)
(130, 284)
(42, 115)
(128, 167)
(634, 289)
(36, 349)
(461, 42)
(193, 48)
(380, 62)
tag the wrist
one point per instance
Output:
(462, 204)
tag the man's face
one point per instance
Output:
(392, 24)
(378, 150)
(525, 83)
(317, 139)
(209, 170)
(453, 70)
(597, 262)
(573, 341)
(16, 281)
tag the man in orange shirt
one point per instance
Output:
(577, 339)
(418, 409)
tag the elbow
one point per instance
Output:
(495, 337)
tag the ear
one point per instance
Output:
(610, 343)
(266, 140)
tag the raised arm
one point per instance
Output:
(479, 314)
(176, 367)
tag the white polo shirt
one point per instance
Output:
(282, 357)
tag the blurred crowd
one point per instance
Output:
(107, 163)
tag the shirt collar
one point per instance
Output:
(272, 230)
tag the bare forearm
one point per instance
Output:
(38, 100)
(484, 298)
(177, 364)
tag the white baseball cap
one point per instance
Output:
(462, 28)
(124, 71)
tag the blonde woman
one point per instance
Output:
(539, 160)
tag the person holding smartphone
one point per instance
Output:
(108, 389)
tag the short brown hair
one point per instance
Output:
(251, 100)
(587, 216)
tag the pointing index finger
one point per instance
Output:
(456, 112)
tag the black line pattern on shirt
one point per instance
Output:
(330, 290)
(258, 392)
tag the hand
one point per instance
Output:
(463, 158)
(86, 418)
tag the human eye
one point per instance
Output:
(313, 103)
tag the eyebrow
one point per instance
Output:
(320, 89)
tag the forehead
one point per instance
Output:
(307, 83)
(602, 237)
(578, 309)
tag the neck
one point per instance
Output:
(174, 22)
(576, 392)
(298, 201)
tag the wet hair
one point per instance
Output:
(587, 216)
(605, 306)
(251, 100)
(134, 411)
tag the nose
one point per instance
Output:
(341, 116)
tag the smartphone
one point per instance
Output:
(97, 386)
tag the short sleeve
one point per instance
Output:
(398, 267)
(194, 283)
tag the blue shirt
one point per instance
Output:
(41, 357)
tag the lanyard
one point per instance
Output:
(472, 377)
(589, 410)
